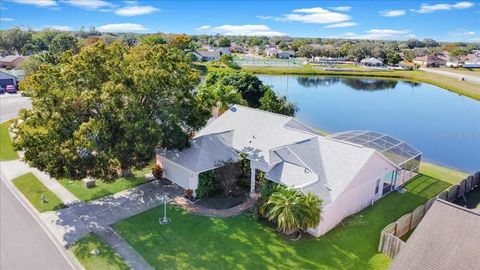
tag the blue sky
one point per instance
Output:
(442, 20)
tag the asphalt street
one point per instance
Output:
(24, 245)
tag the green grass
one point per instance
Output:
(242, 242)
(7, 152)
(33, 189)
(445, 174)
(452, 84)
(104, 188)
(107, 259)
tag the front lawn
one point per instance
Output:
(242, 242)
(33, 189)
(107, 259)
(77, 188)
(6, 149)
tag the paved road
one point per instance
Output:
(23, 243)
(11, 104)
(470, 78)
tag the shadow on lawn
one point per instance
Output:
(212, 243)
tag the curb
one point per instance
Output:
(67, 254)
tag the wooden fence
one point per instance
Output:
(390, 243)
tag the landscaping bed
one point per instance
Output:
(106, 259)
(219, 201)
(199, 242)
(33, 190)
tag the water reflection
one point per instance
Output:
(354, 83)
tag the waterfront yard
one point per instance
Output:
(243, 242)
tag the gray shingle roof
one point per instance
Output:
(204, 152)
(448, 237)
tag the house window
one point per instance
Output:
(377, 187)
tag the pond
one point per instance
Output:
(443, 125)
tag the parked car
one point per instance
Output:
(11, 89)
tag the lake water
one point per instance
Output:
(444, 126)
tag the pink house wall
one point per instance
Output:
(359, 194)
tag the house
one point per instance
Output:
(348, 171)
(270, 52)
(285, 54)
(8, 78)
(222, 50)
(448, 237)
(11, 61)
(471, 61)
(237, 48)
(207, 55)
(372, 62)
(429, 61)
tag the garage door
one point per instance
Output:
(176, 173)
(5, 82)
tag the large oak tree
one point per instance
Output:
(105, 109)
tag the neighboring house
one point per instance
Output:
(7, 78)
(222, 50)
(270, 52)
(472, 61)
(448, 237)
(11, 61)
(237, 48)
(341, 169)
(285, 54)
(372, 62)
(207, 55)
(429, 61)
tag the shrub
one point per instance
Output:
(157, 171)
(188, 193)
(207, 184)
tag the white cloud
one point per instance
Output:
(135, 10)
(89, 4)
(339, 25)
(122, 27)
(381, 34)
(204, 27)
(6, 19)
(392, 13)
(341, 8)
(60, 27)
(426, 8)
(316, 15)
(38, 3)
(466, 33)
(244, 30)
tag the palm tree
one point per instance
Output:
(291, 210)
(219, 97)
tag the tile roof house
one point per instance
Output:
(430, 61)
(448, 237)
(346, 176)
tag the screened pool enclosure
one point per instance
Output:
(400, 153)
